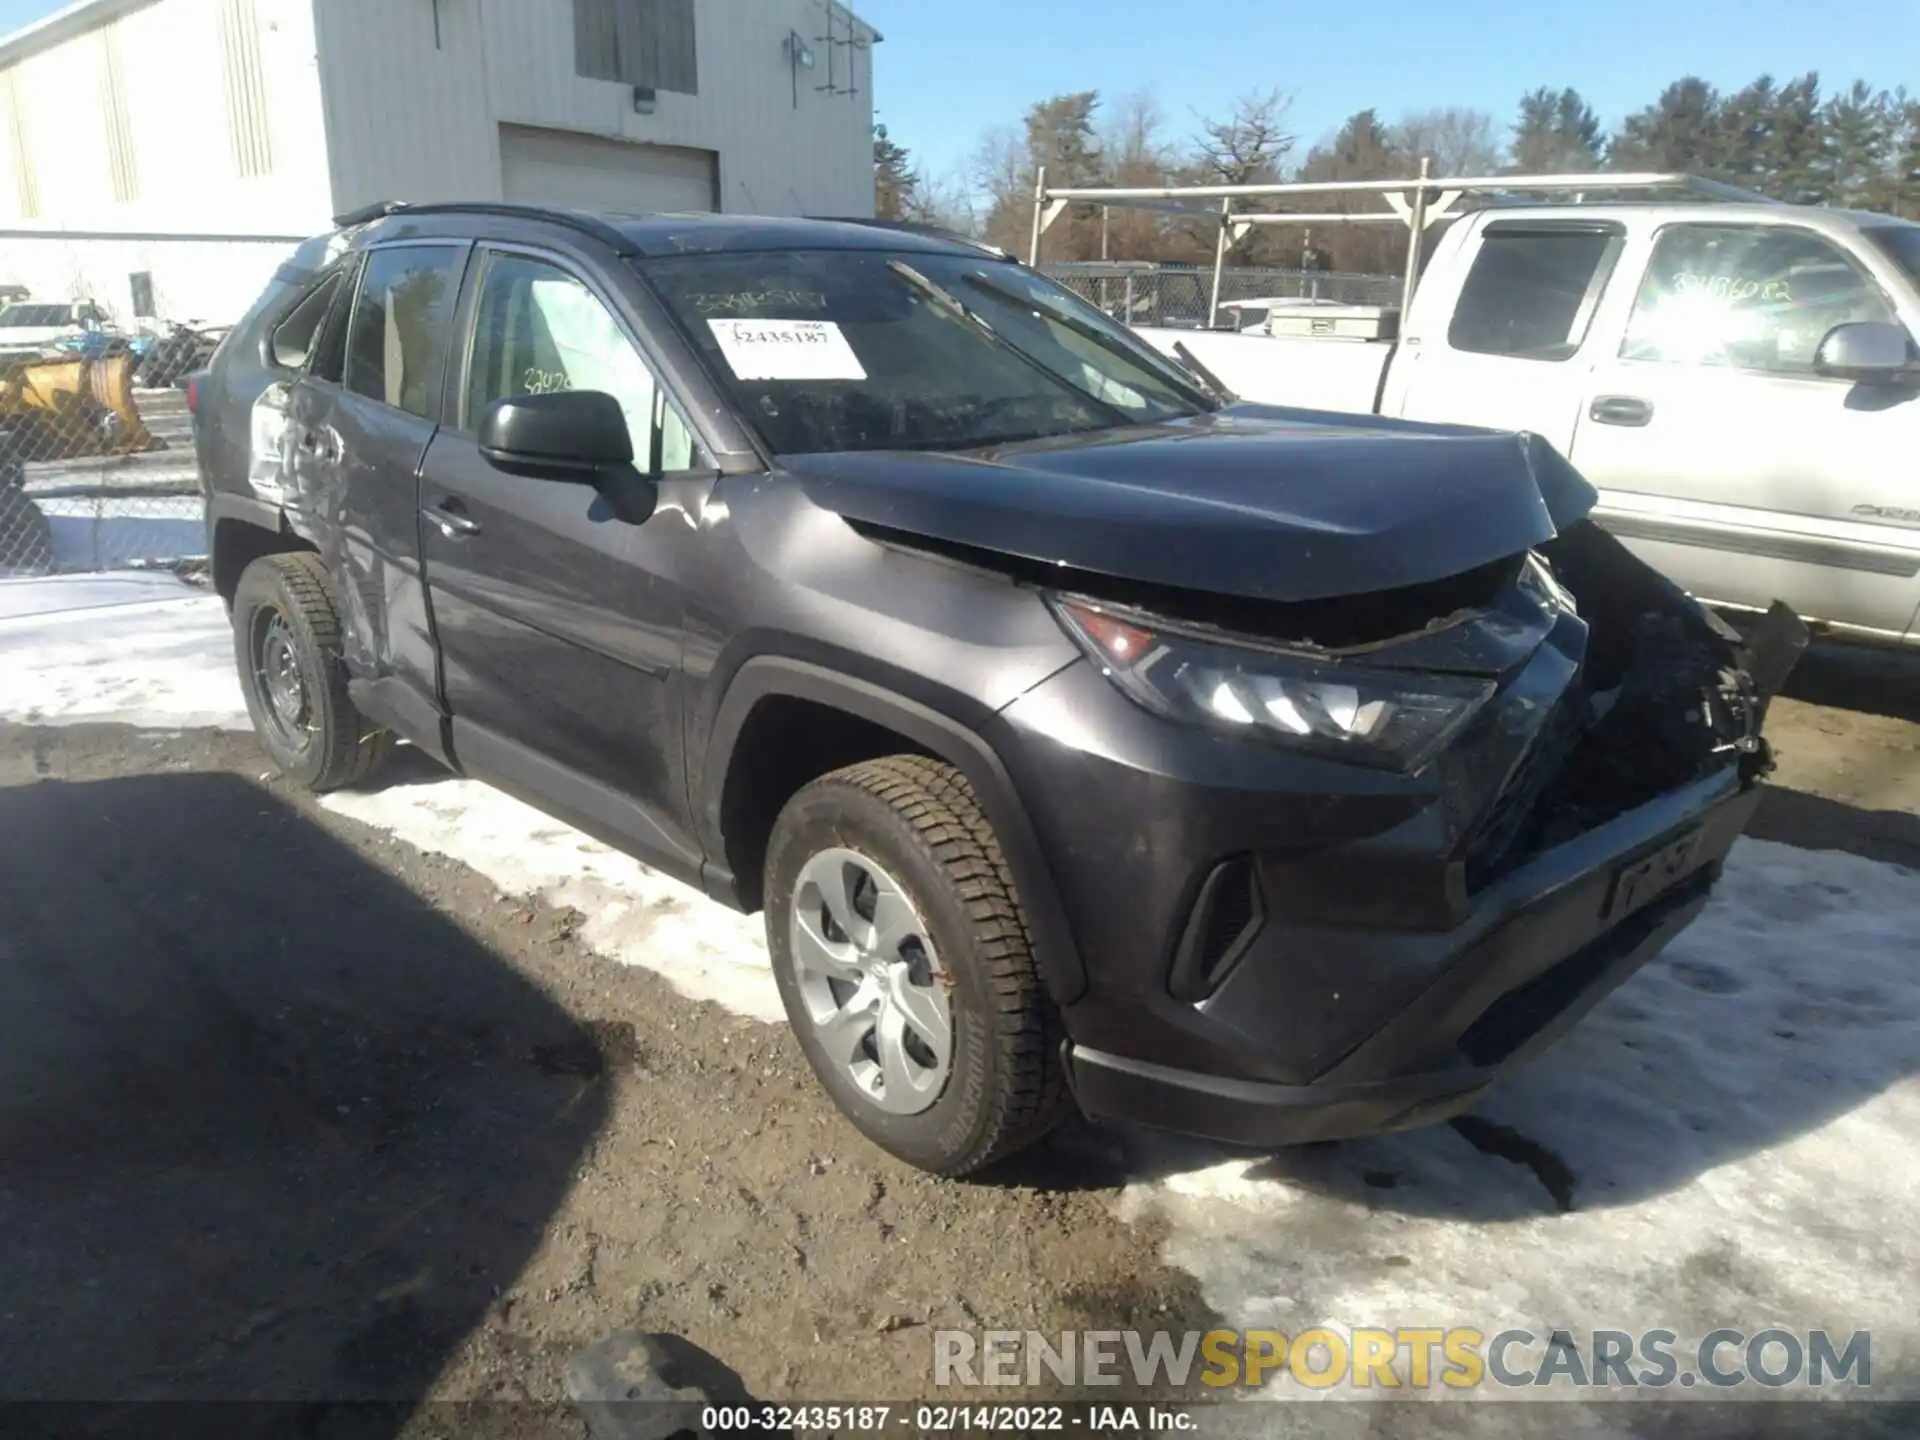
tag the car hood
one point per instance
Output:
(1254, 501)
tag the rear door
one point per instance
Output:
(1515, 343)
(560, 626)
(1725, 460)
(358, 426)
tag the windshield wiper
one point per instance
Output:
(948, 301)
(1086, 331)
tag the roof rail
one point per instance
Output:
(591, 226)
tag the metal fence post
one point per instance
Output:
(1219, 260)
(1039, 205)
(1417, 223)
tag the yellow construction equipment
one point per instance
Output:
(60, 409)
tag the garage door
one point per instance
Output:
(584, 172)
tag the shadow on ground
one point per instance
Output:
(1813, 822)
(270, 1127)
(1862, 678)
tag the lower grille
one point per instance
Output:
(1226, 916)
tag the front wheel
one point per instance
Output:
(906, 969)
(286, 643)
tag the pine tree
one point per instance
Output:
(1792, 163)
(1678, 133)
(1743, 131)
(1904, 182)
(1859, 125)
(1061, 136)
(1362, 149)
(1557, 133)
(896, 187)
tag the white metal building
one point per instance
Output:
(201, 118)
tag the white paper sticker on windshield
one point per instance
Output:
(787, 350)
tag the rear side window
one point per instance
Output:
(293, 337)
(397, 341)
(1532, 293)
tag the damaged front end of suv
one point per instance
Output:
(1342, 761)
(1343, 860)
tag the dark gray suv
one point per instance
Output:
(1083, 734)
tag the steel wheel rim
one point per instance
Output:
(870, 982)
(278, 679)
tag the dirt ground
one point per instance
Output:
(293, 1110)
(289, 1109)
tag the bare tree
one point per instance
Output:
(1002, 174)
(1133, 139)
(947, 201)
(1460, 140)
(1249, 147)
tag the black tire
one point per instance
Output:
(284, 603)
(26, 537)
(920, 820)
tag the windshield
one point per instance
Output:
(1902, 244)
(35, 315)
(828, 350)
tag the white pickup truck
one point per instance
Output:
(1739, 380)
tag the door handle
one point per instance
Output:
(452, 518)
(1620, 410)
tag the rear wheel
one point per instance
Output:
(26, 539)
(906, 969)
(286, 639)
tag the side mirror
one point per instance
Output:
(1868, 351)
(574, 436)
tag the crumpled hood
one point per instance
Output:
(1254, 501)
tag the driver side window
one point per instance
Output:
(1753, 297)
(539, 329)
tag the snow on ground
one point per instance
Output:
(1737, 1126)
(148, 650)
(633, 914)
(1733, 1129)
(140, 649)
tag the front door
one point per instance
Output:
(560, 625)
(1726, 461)
(359, 424)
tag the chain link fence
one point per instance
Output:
(98, 334)
(1178, 296)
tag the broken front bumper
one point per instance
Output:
(1542, 947)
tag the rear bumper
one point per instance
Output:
(1563, 933)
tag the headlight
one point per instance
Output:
(1350, 712)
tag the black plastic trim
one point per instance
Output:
(570, 796)
(249, 509)
(1195, 974)
(765, 676)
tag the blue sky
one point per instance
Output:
(15, 13)
(951, 68)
